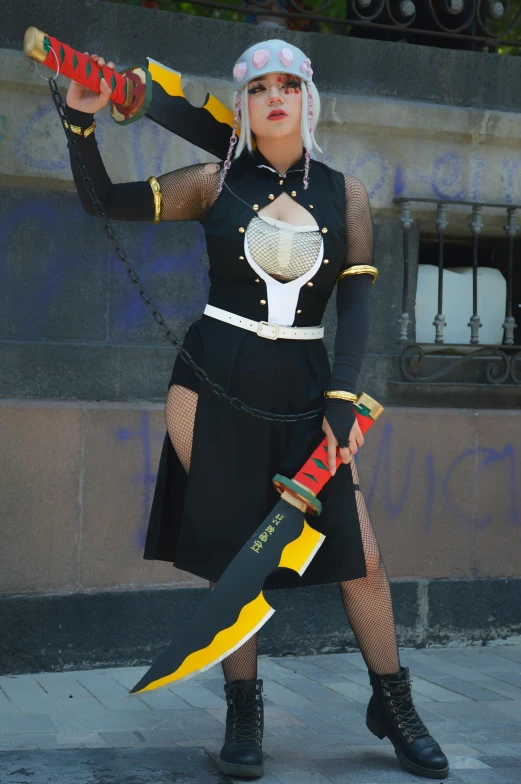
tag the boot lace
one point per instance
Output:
(401, 706)
(246, 716)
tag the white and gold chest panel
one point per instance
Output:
(286, 257)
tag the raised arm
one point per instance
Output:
(184, 194)
(353, 292)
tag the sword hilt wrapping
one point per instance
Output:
(315, 472)
(42, 48)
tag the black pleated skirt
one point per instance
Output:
(200, 521)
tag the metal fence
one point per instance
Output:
(484, 25)
(501, 361)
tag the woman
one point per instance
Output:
(281, 229)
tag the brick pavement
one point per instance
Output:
(77, 728)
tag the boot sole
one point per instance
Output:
(427, 773)
(247, 771)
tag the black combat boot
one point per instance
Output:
(391, 713)
(241, 754)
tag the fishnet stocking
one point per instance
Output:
(367, 601)
(241, 665)
(180, 408)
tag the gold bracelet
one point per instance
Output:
(79, 131)
(158, 198)
(339, 394)
(359, 269)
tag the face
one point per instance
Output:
(275, 105)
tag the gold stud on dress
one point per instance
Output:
(255, 206)
(293, 193)
(281, 182)
(242, 230)
(326, 261)
(263, 302)
(324, 230)
(299, 312)
(310, 284)
(271, 197)
(241, 258)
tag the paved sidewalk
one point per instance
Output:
(76, 728)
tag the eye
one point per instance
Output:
(255, 89)
(292, 83)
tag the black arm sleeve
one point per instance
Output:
(132, 201)
(186, 193)
(350, 344)
(353, 295)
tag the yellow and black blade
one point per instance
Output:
(236, 608)
(208, 127)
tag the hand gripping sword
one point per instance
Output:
(151, 90)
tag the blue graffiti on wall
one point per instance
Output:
(147, 148)
(484, 457)
(443, 482)
(33, 294)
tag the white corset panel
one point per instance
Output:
(293, 253)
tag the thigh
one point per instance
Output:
(180, 409)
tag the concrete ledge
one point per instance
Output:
(210, 46)
(395, 145)
(83, 631)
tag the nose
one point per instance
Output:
(275, 96)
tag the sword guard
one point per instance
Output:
(138, 95)
(300, 494)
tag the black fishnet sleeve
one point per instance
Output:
(186, 193)
(353, 293)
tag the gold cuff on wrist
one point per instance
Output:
(158, 198)
(339, 394)
(359, 269)
(79, 131)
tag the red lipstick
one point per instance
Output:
(277, 114)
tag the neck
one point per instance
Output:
(281, 153)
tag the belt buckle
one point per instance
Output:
(275, 327)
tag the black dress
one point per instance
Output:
(200, 521)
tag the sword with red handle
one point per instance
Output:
(151, 90)
(236, 608)
(129, 90)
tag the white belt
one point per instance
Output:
(263, 328)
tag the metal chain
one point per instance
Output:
(158, 318)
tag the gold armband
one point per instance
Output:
(79, 131)
(359, 269)
(158, 198)
(339, 394)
